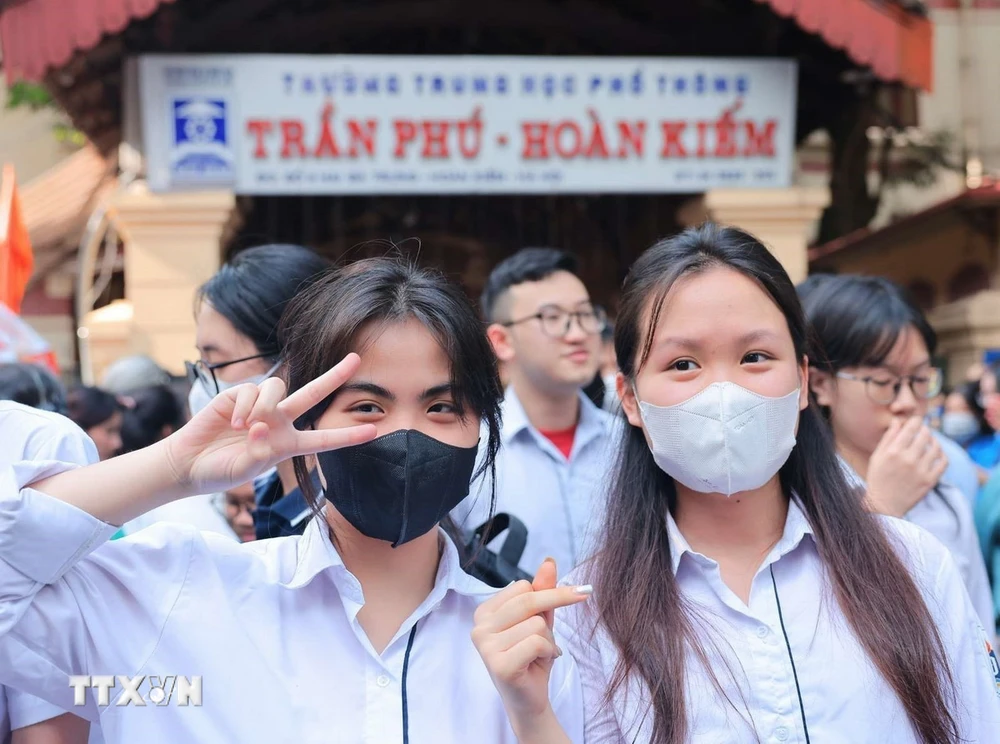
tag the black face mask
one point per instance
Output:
(399, 486)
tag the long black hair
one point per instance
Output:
(636, 595)
(252, 290)
(323, 324)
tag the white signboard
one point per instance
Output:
(458, 125)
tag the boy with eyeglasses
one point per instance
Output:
(556, 454)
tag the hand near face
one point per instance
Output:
(907, 463)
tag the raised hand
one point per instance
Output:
(907, 463)
(250, 428)
(513, 634)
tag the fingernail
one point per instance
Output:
(559, 652)
(586, 589)
(238, 424)
(550, 559)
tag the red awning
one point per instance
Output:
(895, 43)
(37, 35)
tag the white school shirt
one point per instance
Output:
(843, 696)
(200, 512)
(947, 514)
(561, 501)
(31, 434)
(270, 626)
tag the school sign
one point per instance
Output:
(289, 124)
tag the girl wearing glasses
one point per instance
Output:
(238, 311)
(742, 594)
(237, 315)
(872, 376)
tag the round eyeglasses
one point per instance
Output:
(556, 322)
(884, 389)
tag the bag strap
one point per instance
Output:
(517, 536)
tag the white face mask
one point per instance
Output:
(200, 397)
(726, 439)
(960, 426)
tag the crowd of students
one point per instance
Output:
(752, 536)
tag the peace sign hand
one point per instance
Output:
(250, 428)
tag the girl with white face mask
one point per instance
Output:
(238, 311)
(964, 420)
(743, 593)
(237, 315)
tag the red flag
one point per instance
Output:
(16, 260)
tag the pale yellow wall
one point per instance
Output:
(27, 139)
(979, 100)
(955, 102)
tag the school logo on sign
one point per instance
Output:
(201, 151)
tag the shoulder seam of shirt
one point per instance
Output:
(173, 604)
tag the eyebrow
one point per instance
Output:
(745, 339)
(380, 392)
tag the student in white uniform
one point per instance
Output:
(42, 434)
(356, 631)
(557, 444)
(742, 592)
(237, 315)
(872, 377)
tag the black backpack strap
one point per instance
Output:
(498, 569)
(517, 536)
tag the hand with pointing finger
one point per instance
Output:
(250, 428)
(513, 634)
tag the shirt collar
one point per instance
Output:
(593, 421)
(850, 474)
(796, 528)
(316, 554)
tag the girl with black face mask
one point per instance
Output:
(356, 631)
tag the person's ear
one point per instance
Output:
(823, 386)
(804, 384)
(499, 337)
(630, 405)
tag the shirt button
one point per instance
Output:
(762, 631)
(382, 681)
(781, 732)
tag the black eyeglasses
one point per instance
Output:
(556, 322)
(205, 372)
(884, 390)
